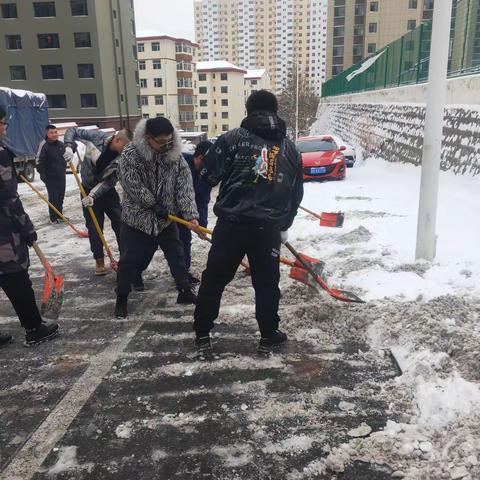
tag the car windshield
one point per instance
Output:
(307, 146)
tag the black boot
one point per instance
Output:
(268, 343)
(5, 339)
(186, 296)
(203, 348)
(137, 283)
(43, 333)
(121, 306)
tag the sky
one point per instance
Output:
(168, 17)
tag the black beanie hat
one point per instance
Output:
(262, 100)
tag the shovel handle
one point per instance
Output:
(310, 212)
(173, 218)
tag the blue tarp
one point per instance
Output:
(27, 115)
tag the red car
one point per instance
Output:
(322, 158)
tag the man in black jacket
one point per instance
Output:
(260, 171)
(52, 169)
(16, 235)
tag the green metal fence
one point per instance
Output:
(406, 60)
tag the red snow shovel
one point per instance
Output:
(297, 272)
(327, 219)
(341, 295)
(52, 298)
(80, 233)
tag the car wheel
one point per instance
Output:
(29, 171)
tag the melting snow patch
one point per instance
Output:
(297, 443)
(124, 430)
(158, 455)
(67, 460)
(236, 455)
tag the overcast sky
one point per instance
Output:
(168, 17)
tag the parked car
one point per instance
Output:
(349, 153)
(322, 158)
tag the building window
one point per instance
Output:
(374, 6)
(82, 40)
(225, 127)
(9, 10)
(411, 25)
(412, 4)
(17, 72)
(134, 51)
(428, 4)
(57, 101)
(204, 103)
(157, 82)
(359, 9)
(372, 27)
(204, 128)
(143, 83)
(142, 65)
(185, 100)
(224, 114)
(88, 100)
(52, 72)
(224, 89)
(85, 70)
(13, 42)
(372, 48)
(79, 8)
(48, 40)
(140, 47)
(133, 27)
(357, 50)
(157, 64)
(224, 102)
(224, 76)
(182, 65)
(186, 117)
(202, 90)
(358, 30)
(44, 9)
(203, 116)
(253, 82)
(160, 115)
(338, 51)
(338, 31)
(184, 82)
(202, 77)
(144, 100)
(339, 12)
(146, 116)
(158, 99)
(336, 70)
(155, 46)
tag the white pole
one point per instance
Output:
(296, 103)
(432, 143)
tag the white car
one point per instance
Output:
(349, 152)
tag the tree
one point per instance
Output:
(307, 103)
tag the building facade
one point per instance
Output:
(221, 97)
(359, 28)
(257, 80)
(167, 71)
(80, 53)
(271, 34)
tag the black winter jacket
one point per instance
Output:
(50, 162)
(260, 171)
(16, 229)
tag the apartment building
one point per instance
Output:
(167, 79)
(221, 97)
(270, 34)
(80, 53)
(359, 28)
(257, 80)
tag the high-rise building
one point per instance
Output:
(271, 34)
(80, 53)
(167, 79)
(359, 28)
(221, 97)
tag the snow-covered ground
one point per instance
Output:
(426, 314)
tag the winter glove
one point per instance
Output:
(160, 212)
(88, 201)
(30, 238)
(284, 237)
(68, 155)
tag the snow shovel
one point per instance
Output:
(113, 262)
(80, 233)
(52, 298)
(327, 219)
(341, 295)
(297, 272)
(206, 231)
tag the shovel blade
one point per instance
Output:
(299, 273)
(52, 299)
(332, 219)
